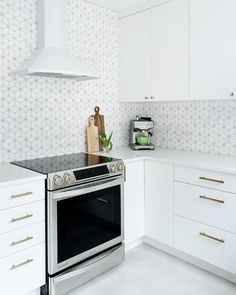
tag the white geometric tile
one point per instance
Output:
(42, 117)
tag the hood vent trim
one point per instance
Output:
(51, 58)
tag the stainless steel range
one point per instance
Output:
(84, 217)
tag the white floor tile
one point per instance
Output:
(147, 271)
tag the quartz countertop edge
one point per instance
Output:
(14, 175)
(214, 162)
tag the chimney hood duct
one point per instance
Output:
(51, 58)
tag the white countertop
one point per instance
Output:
(13, 175)
(226, 164)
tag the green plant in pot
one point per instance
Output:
(106, 142)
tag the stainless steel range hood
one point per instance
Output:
(51, 58)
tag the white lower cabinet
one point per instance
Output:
(208, 206)
(194, 222)
(134, 201)
(24, 271)
(204, 222)
(21, 194)
(22, 238)
(207, 243)
(21, 216)
(159, 201)
(207, 178)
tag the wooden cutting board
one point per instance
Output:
(92, 136)
(99, 121)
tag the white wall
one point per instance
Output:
(43, 117)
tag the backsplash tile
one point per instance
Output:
(205, 126)
(42, 117)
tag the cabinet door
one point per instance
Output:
(170, 51)
(212, 49)
(23, 271)
(159, 201)
(134, 57)
(134, 201)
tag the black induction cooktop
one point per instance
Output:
(63, 163)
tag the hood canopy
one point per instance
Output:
(51, 58)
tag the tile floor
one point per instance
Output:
(147, 271)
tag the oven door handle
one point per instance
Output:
(87, 188)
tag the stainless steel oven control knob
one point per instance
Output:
(68, 178)
(113, 168)
(57, 180)
(120, 167)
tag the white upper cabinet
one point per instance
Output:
(154, 54)
(134, 57)
(179, 50)
(212, 49)
(170, 51)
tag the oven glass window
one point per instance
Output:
(87, 221)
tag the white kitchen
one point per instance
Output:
(118, 147)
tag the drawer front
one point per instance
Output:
(206, 178)
(24, 271)
(205, 205)
(218, 248)
(21, 239)
(18, 217)
(18, 195)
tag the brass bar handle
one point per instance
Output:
(211, 237)
(211, 179)
(21, 218)
(14, 243)
(21, 264)
(212, 199)
(21, 195)
(125, 173)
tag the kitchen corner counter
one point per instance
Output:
(14, 175)
(215, 162)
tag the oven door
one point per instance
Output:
(83, 221)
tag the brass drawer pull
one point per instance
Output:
(21, 195)
(21, 218)
(212, 199)
(21, 241)
(211, 237)
(211, 179)
(21, 264)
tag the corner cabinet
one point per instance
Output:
(134, 201)
(159, 202)
(185, 211)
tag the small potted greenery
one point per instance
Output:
(106, 142)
